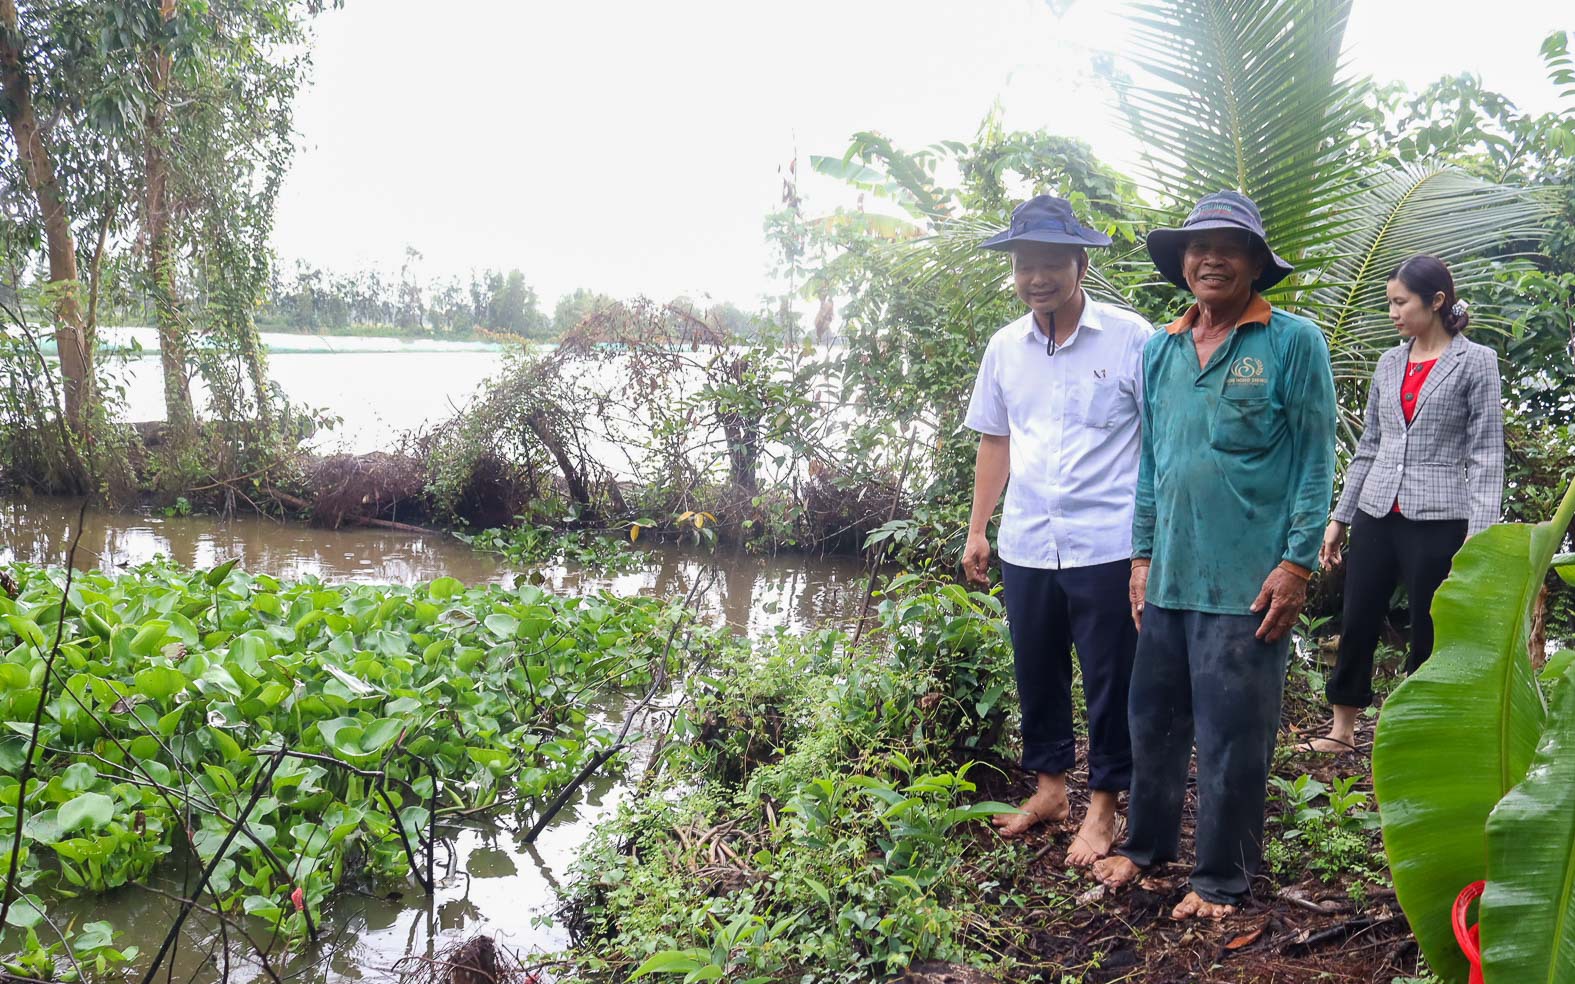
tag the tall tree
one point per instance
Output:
(181, 419)
(38, 163)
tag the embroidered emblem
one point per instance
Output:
(1247, 371)
(1246, 367)
(1100, 373)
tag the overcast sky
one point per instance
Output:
(635, 147)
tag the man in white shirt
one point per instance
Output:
(1056, 405)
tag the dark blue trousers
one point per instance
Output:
(1049, 613)
(1204, 678)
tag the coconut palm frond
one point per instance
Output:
(1399, 212)
(952, 252)
(1251, 98)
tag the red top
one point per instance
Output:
(1410, 390)
(1411, 387)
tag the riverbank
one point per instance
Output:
(808, 802)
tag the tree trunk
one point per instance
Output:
(578, 490)
(16, 95)
(161, 264)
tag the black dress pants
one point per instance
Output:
(1384, 551)
(1050, 612)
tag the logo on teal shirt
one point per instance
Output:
(1247, 371)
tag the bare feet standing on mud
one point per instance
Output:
(1119, 871)
(1098, 833)
(1195, 907)
(1116, 871)
(1049, 803)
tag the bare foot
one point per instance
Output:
(1334, 744)
(1193, 907)
(1094, 838)
(1042, 806)
(1116, 871)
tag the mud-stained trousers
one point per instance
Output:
(1205, 678)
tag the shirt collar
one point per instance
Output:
(1258, 313)
(1090, 319)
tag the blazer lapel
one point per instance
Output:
(1447, 364)
(1395, 378)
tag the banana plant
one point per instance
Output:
(1472, 772)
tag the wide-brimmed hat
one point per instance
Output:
(1221, 210)
(1045, 219)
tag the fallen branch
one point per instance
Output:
(296, 502)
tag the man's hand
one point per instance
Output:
(1283, 594)
(1332, 551)
(976, 560)
(1137, 591)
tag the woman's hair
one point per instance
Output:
(1427, 277)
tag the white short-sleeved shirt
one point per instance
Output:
(1073, 419)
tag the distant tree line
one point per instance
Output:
(314, 299)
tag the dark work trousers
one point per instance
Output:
(1204, 677)
(1415, 552)
(1049, 612)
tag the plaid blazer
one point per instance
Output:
(1449, 463)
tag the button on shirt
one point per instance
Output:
(1073, 420)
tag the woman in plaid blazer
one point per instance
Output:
(1428, 473)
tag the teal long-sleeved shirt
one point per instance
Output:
(1237, 464)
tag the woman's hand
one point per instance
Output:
(1333, 549)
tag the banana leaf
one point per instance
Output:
(1461, 732)
(1528, 911)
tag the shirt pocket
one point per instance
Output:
(1101, 405)
(1242, 424)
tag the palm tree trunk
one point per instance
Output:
(16, 101)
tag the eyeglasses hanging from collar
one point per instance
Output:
(1051, 346)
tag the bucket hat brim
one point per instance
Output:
(1165, 246)
(1045, 219)
(1005, 240)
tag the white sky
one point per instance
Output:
(634, 147)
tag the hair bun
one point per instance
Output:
(1459, 316)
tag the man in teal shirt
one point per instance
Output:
(1234, 482)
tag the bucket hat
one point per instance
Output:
(1221, 210)
(1045, 219)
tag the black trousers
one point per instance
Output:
(1383, 551)
(1205, 679)
(1049, 612)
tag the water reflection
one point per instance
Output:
(753, 594)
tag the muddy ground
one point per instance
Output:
(1287, 934)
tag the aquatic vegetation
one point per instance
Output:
(292, 736)
(820, 813)
(537, 544)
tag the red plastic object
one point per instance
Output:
(1468, 936)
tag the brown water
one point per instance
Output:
(496, 883)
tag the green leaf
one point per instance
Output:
(26, 912)
(1565, 565)
(1460, 733)
(445, 588)
(1528, 912)
(160, 682)
(1554, 670)
(671, 962)
(86, 810)
(216, 577)
(28, 631)
(149, 637)
(502, 625)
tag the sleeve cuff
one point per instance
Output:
(1291, 567)
(1142, 561)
